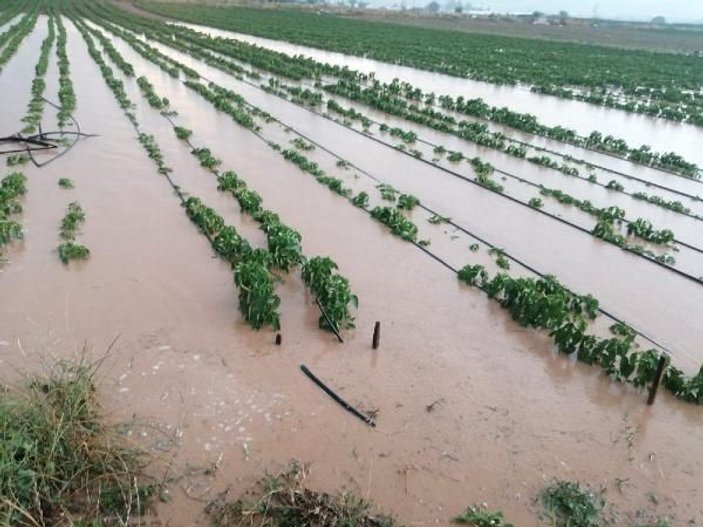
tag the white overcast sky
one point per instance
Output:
(672, 10)
(691, 10)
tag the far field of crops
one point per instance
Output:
(235, 207)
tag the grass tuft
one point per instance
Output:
(60, 464)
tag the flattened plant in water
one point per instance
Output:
(66, 183)
(480, 516)
(285, 500)
(567, 504)
(332, 290)
(399, 224)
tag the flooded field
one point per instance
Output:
(469, 405)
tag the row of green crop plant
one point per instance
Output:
(67, 95)
(253, 269)
(519, 151)
(12, 10)
(311, 166)
(475, 107)
(12, 187)
(494, 58)
(542, 160)
(35, 108)
(515, 149)
(484, 170)
(639, 227)
(13, 37)
(545, 304)
(116, 85)
(548, 67)
(399, 98)
(69, 249)
(604, 229)
(144, 49)
(686, 109)
(398, 223)
(159, 103)
(257, 299)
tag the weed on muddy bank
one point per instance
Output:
(285, 500)
(60, 464)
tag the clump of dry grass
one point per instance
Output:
(285, 501)
(60, 464)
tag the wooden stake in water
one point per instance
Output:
(376, 335)
(657, 380)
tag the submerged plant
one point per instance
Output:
(567, 504)
(479, 516)
(69, 251)
(399, 224)
(65, 183)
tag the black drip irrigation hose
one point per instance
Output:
(475, 183)
(349, 408)
(525, 143)
(609, 314)
(587, 148)
(462, 229)
(329, 322)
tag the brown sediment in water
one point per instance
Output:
(508, 415)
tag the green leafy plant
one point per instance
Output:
(567, 504)
(407, 202)
(388, 193)
(257, 300)
(69, 251)
(65, 183)
(361, 200)
(399, 224)
(436, 219)
(182, 133)
(332, 290)
(479, 516)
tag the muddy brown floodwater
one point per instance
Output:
(508, 415)
(625, 284)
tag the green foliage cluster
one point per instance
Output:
(658, 84)
(60, 462)
(13, 37)
(567, 504)
(182, 133)
(67, 96)
(153, 150)
(332, 290)
(397, 222)
(544, 303)
(69, 250)
(12, 188)
(147, 89)
(35, 108)
(479, 516)
(206, 158)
